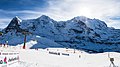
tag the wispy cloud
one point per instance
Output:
(4, 22)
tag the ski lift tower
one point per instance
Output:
(25, 33)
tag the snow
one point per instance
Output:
(91, 23)
(90, 35)
(42, 58)
(18, 18)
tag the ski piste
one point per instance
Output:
(59, 57)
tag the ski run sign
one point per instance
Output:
(8, 59)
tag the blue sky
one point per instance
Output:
(22, 4)
(106, 10)
(11, 8)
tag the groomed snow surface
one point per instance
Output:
(62, 57)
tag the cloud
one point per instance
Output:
(97, 8)
(23, 14)
(114, 23)
(106, 10)
(6, 16)
(101, 9)
(4, 22)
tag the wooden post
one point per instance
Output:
(74, 50)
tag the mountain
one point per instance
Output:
(79, 32)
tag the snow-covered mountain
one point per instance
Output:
(79, 32)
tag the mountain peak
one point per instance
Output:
(16, 18)
(14, 24)
(81, 18)
(43, 17)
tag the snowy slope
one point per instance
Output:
(79, 32)
(42, 58)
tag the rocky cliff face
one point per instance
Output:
(13, 25)
(80, 33)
